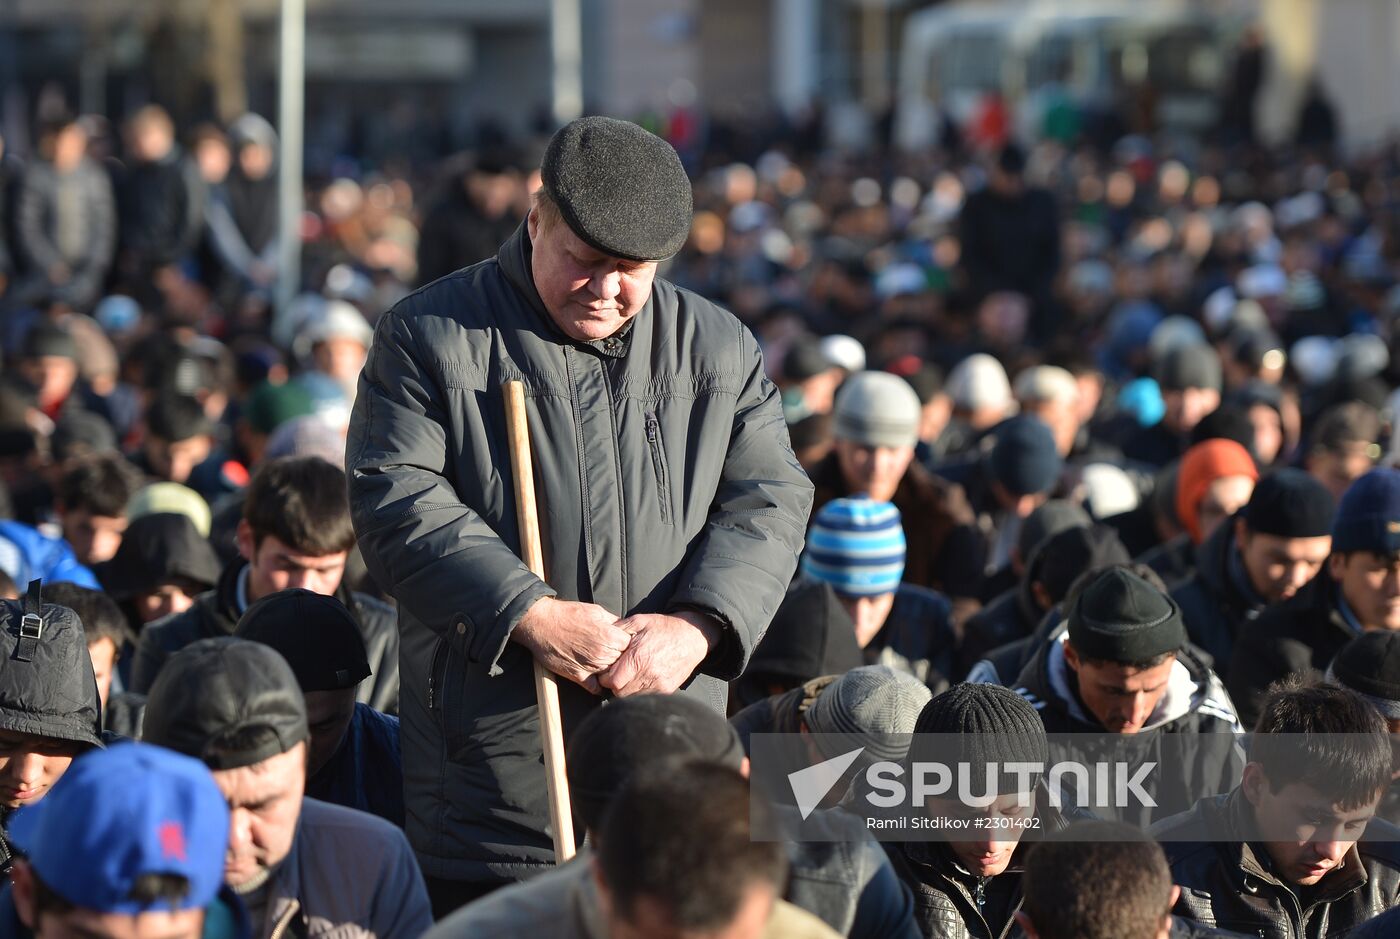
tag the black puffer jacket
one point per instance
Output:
(949, 902)
(1225, 883)
(1214, 603)
(160, 206)
(215, 613)
(1193, 736)
(1300, 636)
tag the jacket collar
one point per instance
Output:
(1247, 856)
(514, 259)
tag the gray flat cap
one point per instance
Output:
(620, 188)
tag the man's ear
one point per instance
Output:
(595, 867)
(1041, 595)
(745, 767)
(1165, 931)
(1071, 657)
(1027, 926)
(22, 888)
(1241, 533)
(1253, 782)
(1336, 565)
(243, 537)
(532, 223)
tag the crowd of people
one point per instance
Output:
(1083, 440)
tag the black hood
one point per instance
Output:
(47, 687)
(157, 549)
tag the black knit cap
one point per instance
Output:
(316, 634)
(1370, 666)
(228, 702)
(979, 724)
(1119, 617)
(1289, 503)
(630, 734)
(620, 188)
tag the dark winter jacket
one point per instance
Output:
(1225, 881)
(1009, 617)
(1193, 736)
(216, 612)
(1174, 561)
(917, 637)
(666, 483)
(161, 209)
(1218, 600)
(1385, 926)
(366, 773)
(67, 219)
(1297, 637)
(1156, 446)
(1010, 242)
(1004, 664)
(945, 549)
(951, 903)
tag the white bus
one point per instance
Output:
(954, 55)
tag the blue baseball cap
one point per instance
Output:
(123, 813)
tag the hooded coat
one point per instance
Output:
(47, 687)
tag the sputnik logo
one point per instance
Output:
(811, 785)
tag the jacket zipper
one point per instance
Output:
(285, 921)
(432, 673)
(658, 463)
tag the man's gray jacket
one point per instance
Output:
(666, 483)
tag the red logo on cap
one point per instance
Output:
(172, 841)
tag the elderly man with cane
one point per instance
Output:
(671, 508)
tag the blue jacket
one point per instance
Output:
(27, 553)
(366, 773)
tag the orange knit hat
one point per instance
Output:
(1202, 465)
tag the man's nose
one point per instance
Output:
(29, 768)
(607, 286)
(240, 832)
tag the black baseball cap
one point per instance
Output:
(228, 702)
(316, 634)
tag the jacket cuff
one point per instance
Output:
(490, 644)
(726, 659)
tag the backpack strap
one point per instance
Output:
(31, 624)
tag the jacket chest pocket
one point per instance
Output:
(658, 467)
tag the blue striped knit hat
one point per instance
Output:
(857, 546)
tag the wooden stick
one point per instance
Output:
(546, 685)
